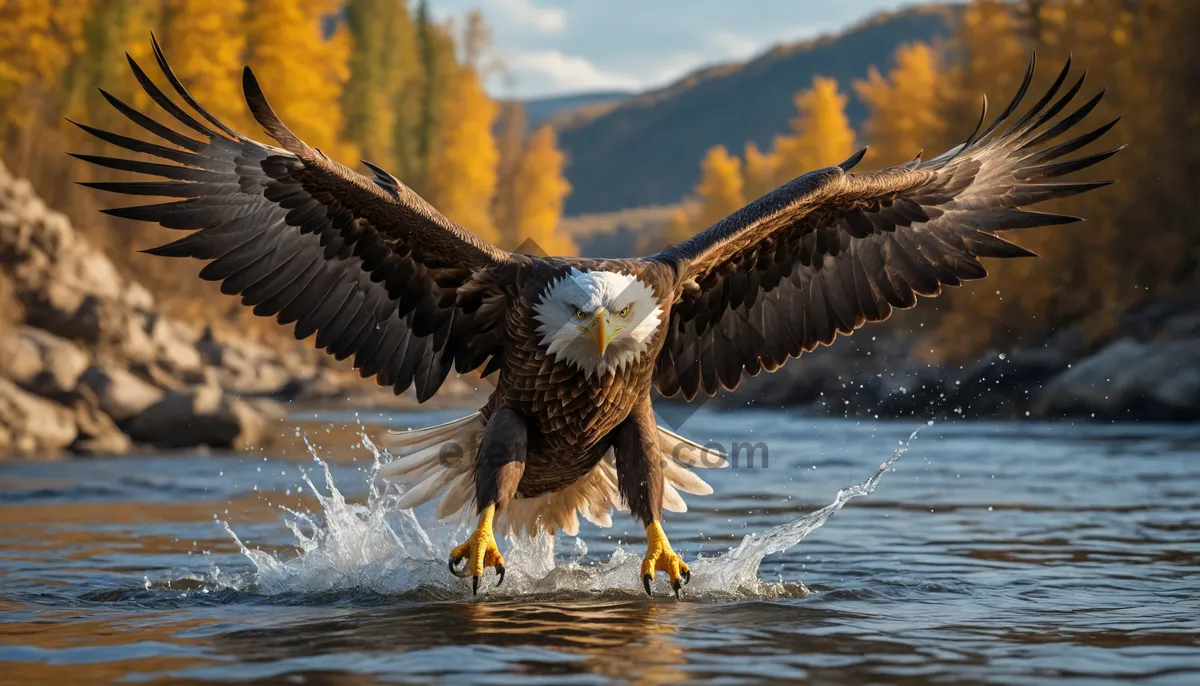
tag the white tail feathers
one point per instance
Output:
(689, 453)
(441, 460)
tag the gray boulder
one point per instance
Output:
(1154, 380)
(175, 349)
(199, 416)
(42, 363)
(31, 426)
(119, 393)
(97, 433)
(244, 367)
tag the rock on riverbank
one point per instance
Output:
(89, 362)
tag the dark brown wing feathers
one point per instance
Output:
(365, 265)
(832, 250)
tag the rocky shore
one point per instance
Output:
(90, 362)
(1149, 373)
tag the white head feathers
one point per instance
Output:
(598, 321)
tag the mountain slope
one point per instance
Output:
(647, 149)
(540, 110)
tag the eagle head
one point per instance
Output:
(598, 321)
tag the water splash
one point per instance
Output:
(377, 547)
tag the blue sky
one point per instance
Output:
(570, 46)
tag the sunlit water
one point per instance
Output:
(1003, 553)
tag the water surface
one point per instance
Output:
(990, 552)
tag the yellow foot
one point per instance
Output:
(660, 558)
(479, 551)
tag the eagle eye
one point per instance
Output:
(579, 314)
(624, 313)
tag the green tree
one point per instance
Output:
(377, 102)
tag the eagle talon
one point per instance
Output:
(500, 571)
(479, 552)
(661, 558)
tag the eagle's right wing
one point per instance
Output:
(365, 264)
(829, 251)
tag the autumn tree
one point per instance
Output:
(821, 132)
(904, 107)
(38, 40)
(988, 54)
(206, 45)
(530, 200)
(679, 226)
(462, 169)
(720, 189)
(760, 171)
(302, 69)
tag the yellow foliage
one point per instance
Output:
(302, 70)
(720, 186)
(534, 205)
(903, 106)
(38, 38)
(822, 133)
(462, 170)
(205, 43)
(760, 170)
(680, 225)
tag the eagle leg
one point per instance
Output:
(499, 464)
(479, 551)
(640, 481)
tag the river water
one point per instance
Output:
(1005, 553)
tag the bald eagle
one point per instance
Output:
(378, 274)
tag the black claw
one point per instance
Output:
(675, 585)
(687, 577)
(462, 574)
(475, 585)
(646, 578)
(500, 571)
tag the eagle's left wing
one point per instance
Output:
(364, 264)
(830, 251)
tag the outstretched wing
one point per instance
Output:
(365, 264)
(830, 251)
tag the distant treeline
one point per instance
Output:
(355, 78)
(1142, 236)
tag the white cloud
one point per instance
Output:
(731, 44)
(526, 15)
(739, 46)
(560, 72)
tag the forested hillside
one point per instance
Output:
(645, 150)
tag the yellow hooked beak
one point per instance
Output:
(600, 331)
